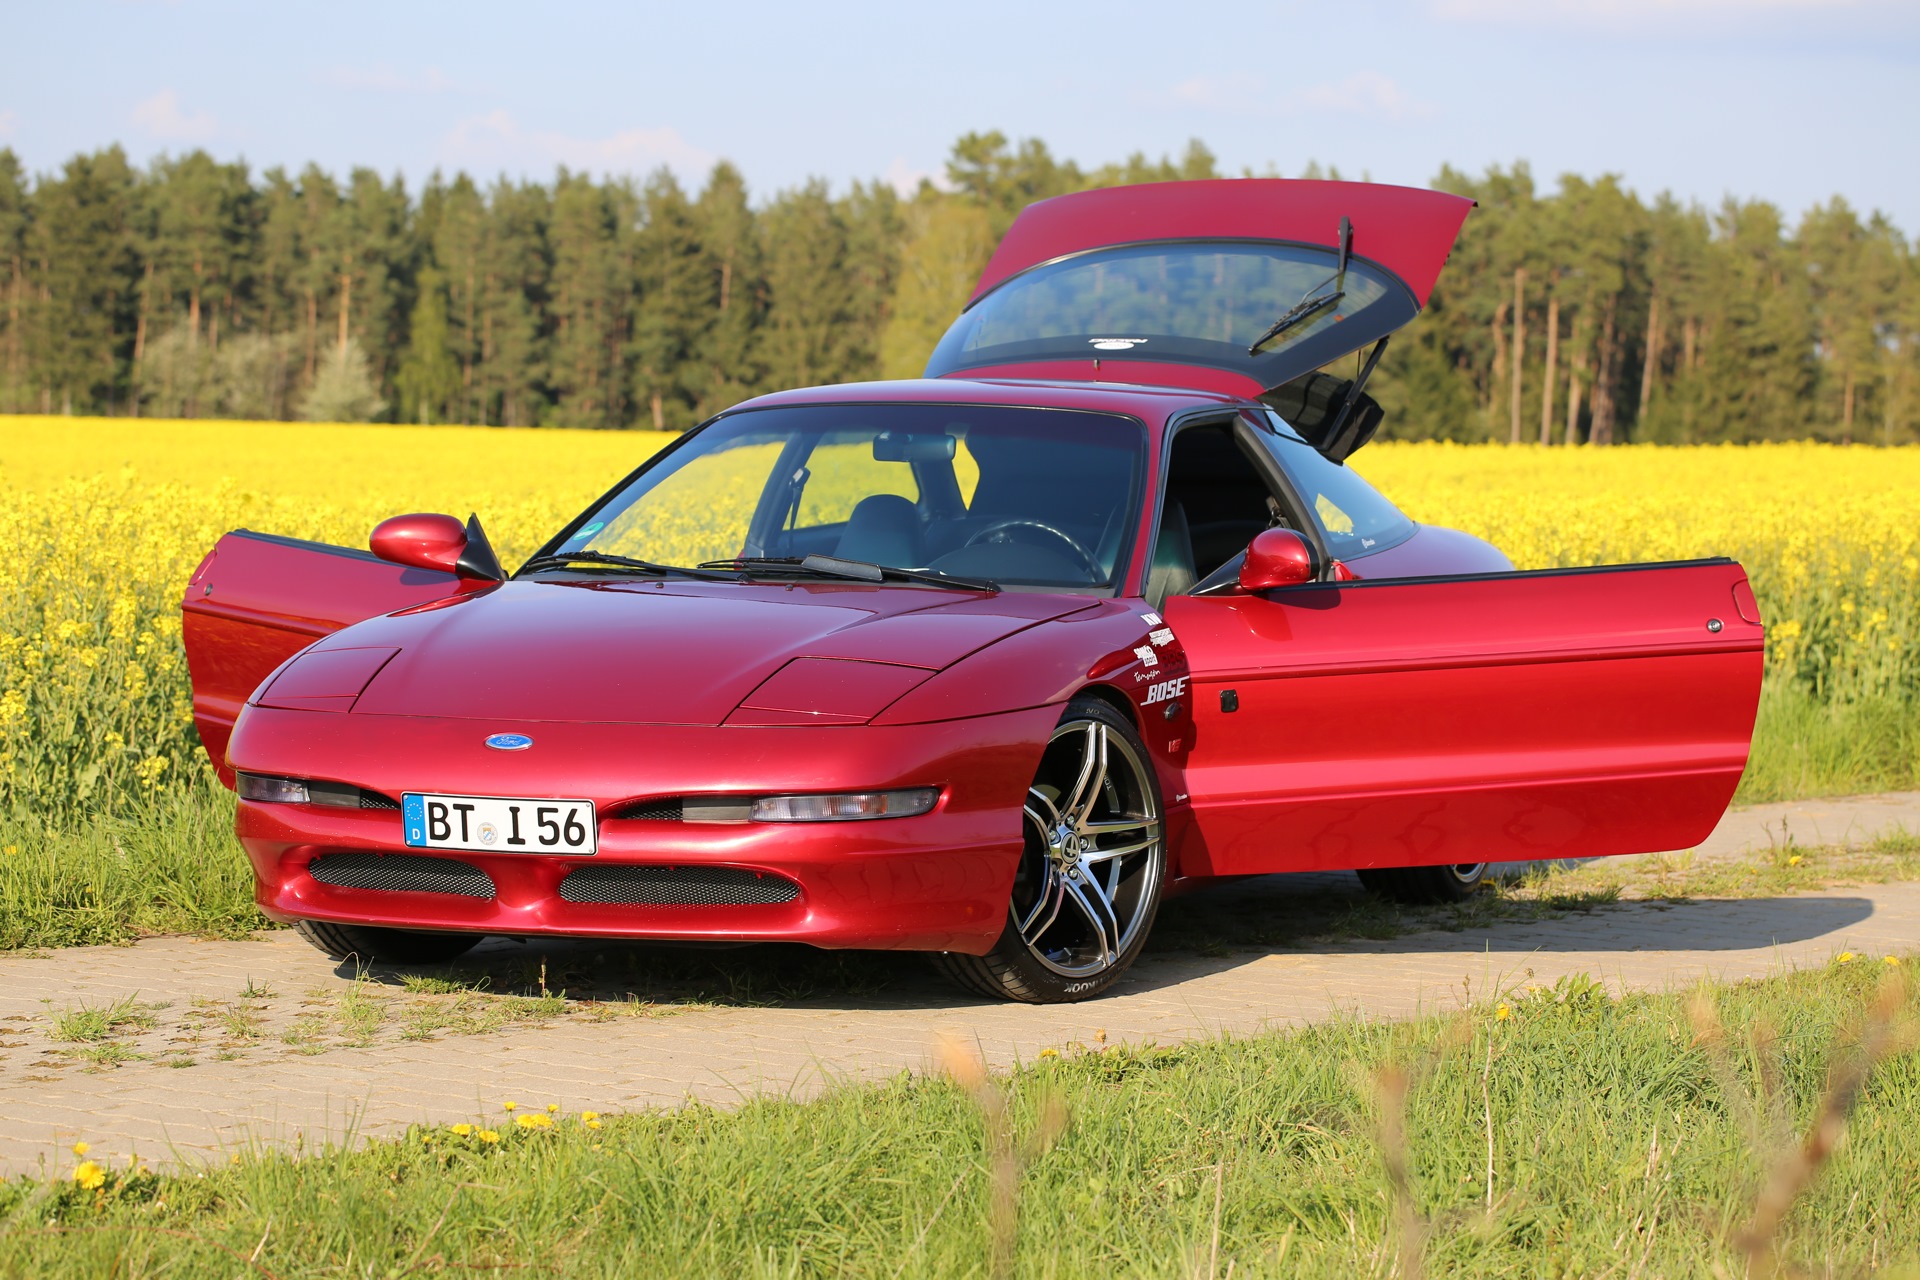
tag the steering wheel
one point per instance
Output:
(1087, 562)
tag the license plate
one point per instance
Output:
(496, 824)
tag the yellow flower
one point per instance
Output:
(81, 1148)
(552, 1107)
(489, 1135)
(1794, 860)
(1049, 1053)
(462, 1130)
(90, 1175)
(12, 849)
(1502, 1012)
(1893, 959)
(593, 1124)
(588, 1117)
(1845, 957)
(534, 1120)
(509, 1106)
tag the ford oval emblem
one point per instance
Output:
(509, 741)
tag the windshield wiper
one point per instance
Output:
(565, 558)
(854, 570)
(1313, 301)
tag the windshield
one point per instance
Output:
(1181, 302)
(1035, 498)
(1355, 518)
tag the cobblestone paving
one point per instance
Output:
(222, 1046)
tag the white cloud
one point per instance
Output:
(1628, 14)
(161, 117)
(1242, 93)
(905, 179)
(1364, 93)
(497, 140)
(385, 79)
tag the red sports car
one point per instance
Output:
(985, 664)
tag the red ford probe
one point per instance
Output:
(983, 664)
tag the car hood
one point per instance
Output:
(670, 652)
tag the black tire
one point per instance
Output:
(370, 945)
(1091, 872)
(1425, 886)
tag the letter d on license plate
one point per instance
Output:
(496, 824)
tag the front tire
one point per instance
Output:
(1089, 880)
(370, 945)
(1426, 886)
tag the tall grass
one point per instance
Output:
(1655, 1135)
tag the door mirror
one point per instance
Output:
(1278, 558)
(439, 543)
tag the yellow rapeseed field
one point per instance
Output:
(103, 520)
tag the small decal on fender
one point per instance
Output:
(1151, 619)
(1165, 691)
(1164, 636)
(1147, 656)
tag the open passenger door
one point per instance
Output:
(1499, 717)
(258, 599)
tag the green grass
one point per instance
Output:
(1804, 747)
(1582, 1135)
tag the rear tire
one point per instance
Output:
(1425, 886)
(1088, 885)
(370, 945)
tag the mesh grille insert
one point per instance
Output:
(395, 871)
(677, 886)
(374, 800)
(663, 810)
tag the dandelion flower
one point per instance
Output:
(594, 1124)
(81, 1148)
(1502, 1011)
(588, 1117)
(462, 1130)
(552, 1108)
(90, 1175)
(489, 1136)
(1049, 1053)
(12, 849)
(534, 1120)
(1893, 959)
(509, 1106)
(1845, 957)
(1794, 860)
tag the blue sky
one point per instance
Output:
(1788, 100)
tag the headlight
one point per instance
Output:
(854, 807)
(258, 786)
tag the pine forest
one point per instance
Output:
(195, 288)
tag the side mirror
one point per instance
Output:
(1278, 558)
(439, 543)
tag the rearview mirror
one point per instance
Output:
(1278, 558)
(439, 543)
(900, 446)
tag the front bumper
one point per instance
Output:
(938, 882)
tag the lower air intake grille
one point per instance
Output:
(374, 800)
(401, 871)
(664, 810)
(677, 887)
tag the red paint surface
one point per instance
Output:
(1407, 230)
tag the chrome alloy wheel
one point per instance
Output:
(1089, 878)
(1467, 874)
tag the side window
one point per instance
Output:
(844, 471)
(1356, 519)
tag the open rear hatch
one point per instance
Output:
(1244, 286)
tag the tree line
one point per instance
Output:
(193, 288)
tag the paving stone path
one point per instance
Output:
(258, 1042)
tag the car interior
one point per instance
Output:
(1216, 502)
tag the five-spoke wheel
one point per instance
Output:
(1090, 871)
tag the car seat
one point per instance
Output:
(883, 528)
(1170, 573)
